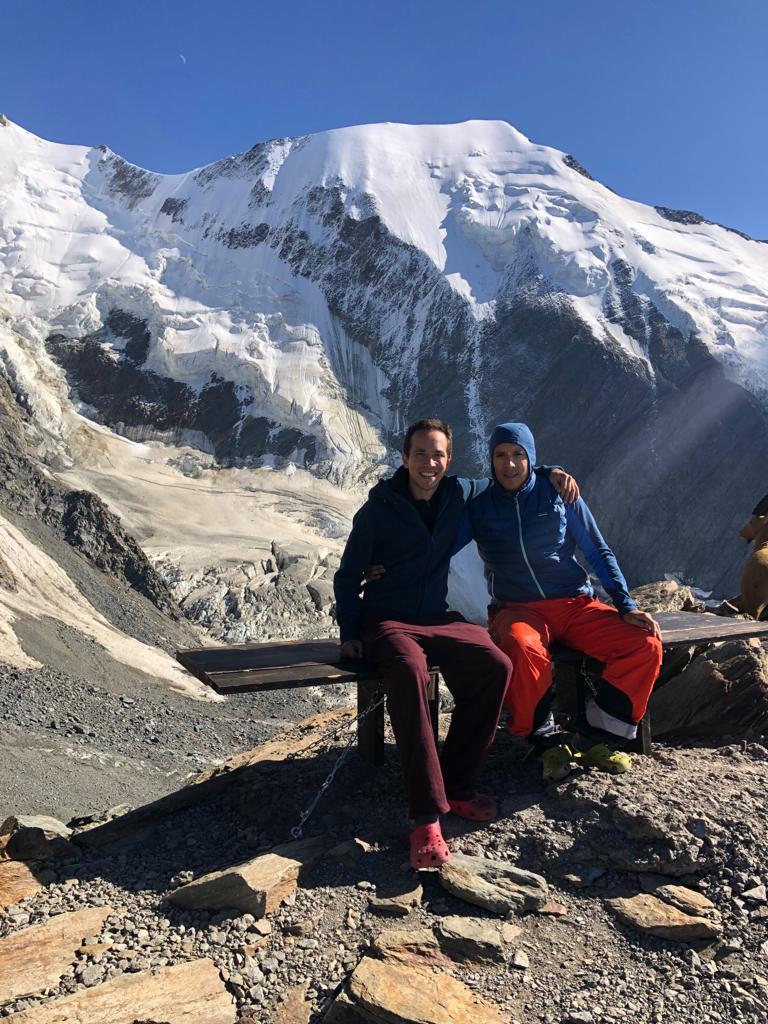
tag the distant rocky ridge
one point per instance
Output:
(141, 403)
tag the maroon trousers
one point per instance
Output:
(476, 672)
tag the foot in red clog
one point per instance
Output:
(475, 808)
(428, 848)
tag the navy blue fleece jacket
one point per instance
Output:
(389, 531)
(527, 538)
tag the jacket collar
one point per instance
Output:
(521, 492)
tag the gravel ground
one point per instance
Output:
(706, 805)
(75, 746)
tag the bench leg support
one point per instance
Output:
(370, 730)
(433, 695)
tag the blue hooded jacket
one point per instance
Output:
(527, 538)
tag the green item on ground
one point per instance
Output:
(556, 763)
(602, 757)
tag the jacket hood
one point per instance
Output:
(513, 433)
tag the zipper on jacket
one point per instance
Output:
(522, 548)
(423, 590)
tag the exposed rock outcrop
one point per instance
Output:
(721, 694)
(35, 958)
(79, 517)
(189, 993)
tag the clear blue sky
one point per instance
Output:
(666, 101)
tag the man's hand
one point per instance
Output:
(565, 485)
(352, 649)
(373, 572)
(644, 621)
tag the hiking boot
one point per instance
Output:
(556, 763)
(605, 759)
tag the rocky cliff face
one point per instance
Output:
(78, 517)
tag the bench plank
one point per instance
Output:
(287, 664)
(262, 666)
(285, 678)
(680, 629)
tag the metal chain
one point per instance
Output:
(298, 830)
(588, 680)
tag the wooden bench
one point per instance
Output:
(288, 664)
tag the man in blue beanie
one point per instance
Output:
(526, 536)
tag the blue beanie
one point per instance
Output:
(513, 433)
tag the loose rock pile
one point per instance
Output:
(602, 899)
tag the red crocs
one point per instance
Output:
(477, 808)
(428, 848)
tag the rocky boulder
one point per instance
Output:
(666, 596)
(256, 887)
(722, 693)
(495, 885)
(383, 991)
(653, 916)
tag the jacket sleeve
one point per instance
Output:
(472, 490)
(358, 555)
(583, 529)
(463, 534)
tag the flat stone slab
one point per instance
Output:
(471, 939)
(190, 993)
(412, 947)
(256, 887)
(36, 957)
(382, 992)
(495, 885)
(687, 900)
(757, 894)
(650, 915)
(295, 1009)
(16, 881)
(398, 904)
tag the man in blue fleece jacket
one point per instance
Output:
(526, 536)
(409, 524)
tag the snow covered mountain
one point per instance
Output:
(302, 301)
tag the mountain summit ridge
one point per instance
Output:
(302, 300)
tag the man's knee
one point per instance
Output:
(653, 652)
(404, 670)
(526, 645)
(490, 658)
(650, 651)
(498, 670)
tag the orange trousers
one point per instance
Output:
(632, 657)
